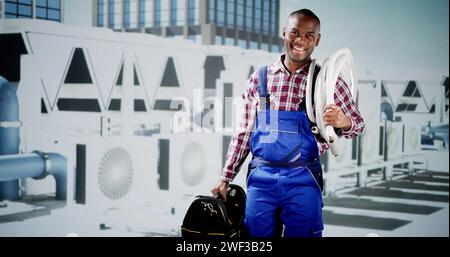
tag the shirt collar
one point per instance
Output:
(279, 66)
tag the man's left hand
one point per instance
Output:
(334, 116)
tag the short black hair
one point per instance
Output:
(305, 12)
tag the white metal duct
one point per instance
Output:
(412, 138)
(394, 139)
(370, 144)
(369, 105)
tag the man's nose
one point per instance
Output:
(300, 39)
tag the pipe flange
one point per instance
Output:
(10, 124)
(47, 164)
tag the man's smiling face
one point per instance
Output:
(301, 35)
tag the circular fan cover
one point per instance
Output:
(115, 174)
(193, 164)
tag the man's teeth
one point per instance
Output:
(299, 49)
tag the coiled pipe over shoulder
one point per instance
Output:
(36, 165)
(341, 63)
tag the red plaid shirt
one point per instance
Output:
(286, 92)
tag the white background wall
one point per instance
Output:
(396, 37)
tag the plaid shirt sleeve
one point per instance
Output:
(343, 98)
(240, 143)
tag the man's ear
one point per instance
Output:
(318, 40)
(283, 33)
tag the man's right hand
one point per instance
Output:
(222, 188)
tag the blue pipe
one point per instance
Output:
(16, 166)
(9, 133)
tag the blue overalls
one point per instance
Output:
(285, 174)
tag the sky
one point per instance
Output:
(408, 38)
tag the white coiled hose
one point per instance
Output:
(341, 63)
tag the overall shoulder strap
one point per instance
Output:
(262, 88)
(316, 72)
(313, 87)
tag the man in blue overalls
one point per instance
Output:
(285, 176)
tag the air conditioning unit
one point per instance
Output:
(412, 134)
(190, 163)
(117, 172)
(369, 105)
(394, 140)
(370, 144)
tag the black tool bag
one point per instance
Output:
(211, 216)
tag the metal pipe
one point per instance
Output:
(9, 133)
(36, 165)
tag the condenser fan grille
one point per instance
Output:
(115, 174)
